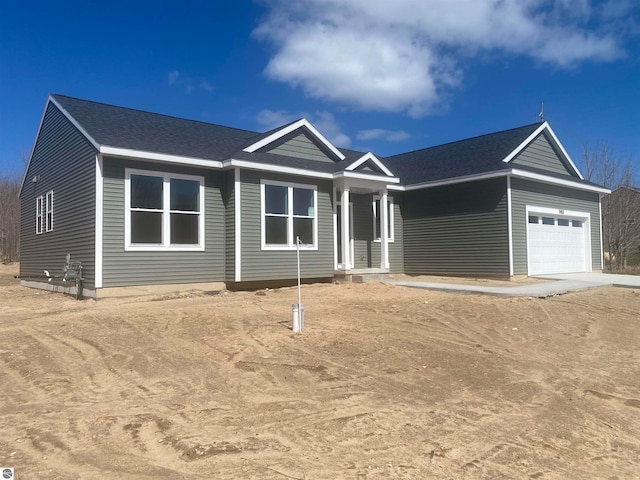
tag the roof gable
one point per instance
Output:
(299, 144)
(542, 150)
(303, 123)
(370, 163)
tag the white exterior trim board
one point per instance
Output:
(237, 224)
(159, 157)
(98, 258)
(504, 173)
(510, 226)
(249, 165)
(303, 122)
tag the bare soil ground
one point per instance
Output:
(384, 383)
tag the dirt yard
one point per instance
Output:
(384, 383)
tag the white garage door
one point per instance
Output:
(556, 243)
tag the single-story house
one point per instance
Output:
(143, 199)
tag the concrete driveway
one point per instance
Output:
(602, 279)
(555, 285)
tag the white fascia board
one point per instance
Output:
(564, 152)
(528, 140)
(275, 168)
(504, 173)
(558, 181)
(365, 158)
(454, 180)
(159, 157)
(365, 176)
(543, 126)
(303, 122)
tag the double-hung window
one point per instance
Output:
(289, 211)
(44, 213)
(377, 219)
(163, 211)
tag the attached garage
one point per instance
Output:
(558, 241)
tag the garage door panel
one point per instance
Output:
(556, 247)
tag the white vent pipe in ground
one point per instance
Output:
(298, 309)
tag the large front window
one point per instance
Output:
(163, 211)
(288, 213)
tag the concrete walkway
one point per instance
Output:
(556, 285)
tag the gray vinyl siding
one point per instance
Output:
(541, 154)
(263, 265)
(526, 192)
(125, 268)
(457, 229)
(299, 145)
(230, 228)
(65, 162)
(366, 250)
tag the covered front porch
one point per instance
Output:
(364, 227)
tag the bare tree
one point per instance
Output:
(621, 208)
(9, 216)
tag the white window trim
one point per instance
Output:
(166, 213)
(391, 237)
(39, 214)
(44, 206)
(291, 245)
(48, 209)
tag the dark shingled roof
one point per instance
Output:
(471, 156)
(122, 127)
(151, 132)
(127, 128)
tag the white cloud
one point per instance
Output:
(175, 78)
(382, 134)
(324, 121)
(404, 55)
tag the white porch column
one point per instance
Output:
(346, 234)
(384, 230)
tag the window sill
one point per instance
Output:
(389, 240)
(288, 248)
(162, 248)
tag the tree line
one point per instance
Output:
(621, 208)
(9, 216)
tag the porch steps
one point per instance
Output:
(371, 277)
(362, 275)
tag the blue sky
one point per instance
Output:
(388, 77)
